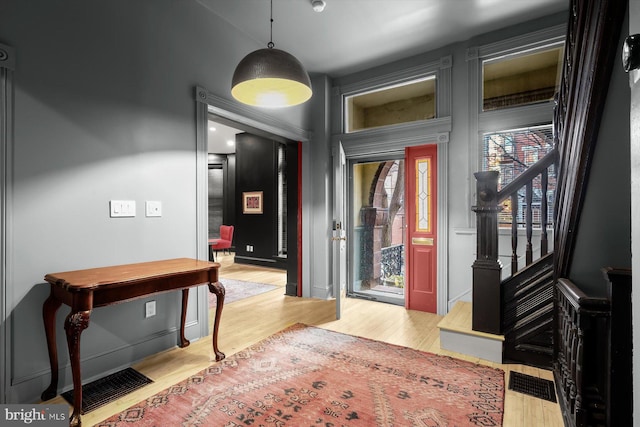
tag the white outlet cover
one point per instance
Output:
(153, 208)
(150, 308)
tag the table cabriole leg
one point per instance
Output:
(49, 310)
(218, 289)
(75, 323)
(184, 342)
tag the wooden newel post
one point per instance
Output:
(487, 269)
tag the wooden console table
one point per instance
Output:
(82, 290)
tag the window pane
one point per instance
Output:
(521, 80)
(407, 102)
(511, 152)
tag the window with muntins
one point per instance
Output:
(511, 152)
(512, 84)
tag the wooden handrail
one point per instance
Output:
(528, 175)
(581, 301)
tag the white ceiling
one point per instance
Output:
(354, 35)
(219, 137)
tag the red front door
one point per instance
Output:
(422, 239)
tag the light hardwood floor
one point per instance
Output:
(249, 320)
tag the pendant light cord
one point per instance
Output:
(270, 45)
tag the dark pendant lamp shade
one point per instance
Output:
(270, 78)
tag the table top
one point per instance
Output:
(95, 277)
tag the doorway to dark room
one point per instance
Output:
(246, 164)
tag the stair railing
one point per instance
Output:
(487, 268)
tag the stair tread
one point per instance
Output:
(459, 320)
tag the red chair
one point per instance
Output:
(224, 242)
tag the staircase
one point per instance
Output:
(528, 314)
(517, 312)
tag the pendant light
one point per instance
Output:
(270, 78)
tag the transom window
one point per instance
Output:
(522, 79)
(400, 103)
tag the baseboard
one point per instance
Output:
(262, 262)
(291, 290)
(29, 388)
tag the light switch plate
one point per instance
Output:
(122, 208)
(153, 208)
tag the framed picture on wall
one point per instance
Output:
(252, 202)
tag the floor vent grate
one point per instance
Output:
(107, 389)
(533, 386)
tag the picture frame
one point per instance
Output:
(252, 202)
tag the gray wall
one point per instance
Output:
(317, 197)
(604, 232)
(461, 238)
(633, 78)
(105, 109)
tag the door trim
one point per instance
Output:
(209, 103)
(354, 151)
(7, 63)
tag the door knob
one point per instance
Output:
(631, 53)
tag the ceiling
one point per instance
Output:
(222, 138)
(354, 35)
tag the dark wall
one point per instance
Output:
(229, 195)
(256, 170)
(216, 201)
(293, 235)
(222, 189)
(254, 167)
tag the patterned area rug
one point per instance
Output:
(307, 376)
(238, 289)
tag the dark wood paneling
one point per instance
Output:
(221, 192)
(591, 48)
(620, 364)
(293, 187)
(216, 199)
(229, 194)
(256, 170)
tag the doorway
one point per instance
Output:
(377, 249)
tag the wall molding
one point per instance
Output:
(393, 139)
(7, 64)
(406, 74)
(249, 116)
(124, 356)
(529, 41)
